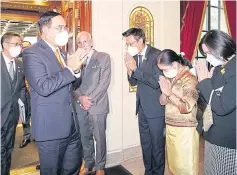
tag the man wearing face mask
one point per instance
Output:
(50, 74)
(12, 88)
(141, 64)
(92, 104)
(26, 124)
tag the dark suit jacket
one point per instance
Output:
(27, 103)
(223, 105)
(9, 94)
(50, 91)
(148, 90)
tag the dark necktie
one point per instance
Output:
(139, 60)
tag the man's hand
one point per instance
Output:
(76, 60)
(85, 102)
(129, 71)
(130, 62)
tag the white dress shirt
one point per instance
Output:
(89, 55)
(143, 53)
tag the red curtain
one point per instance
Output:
(193, 13)
(86, 16)
(230, 12)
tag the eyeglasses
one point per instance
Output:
(15, 44)
(61, 28)
(132, 44)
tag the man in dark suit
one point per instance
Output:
(12, 88)
(50, 75)
(26, 124)
(92, 104)
(144, 73)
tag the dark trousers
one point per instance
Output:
(26, 125)
(61, 157)
(26, 130)
(8, 133)
(153, 143)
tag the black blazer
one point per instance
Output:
(9, 94)
(148, 90)
(223, 104)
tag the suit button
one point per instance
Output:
(70, 104)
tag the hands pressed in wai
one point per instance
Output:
(165, 86)
(130, 63)
(85, 102)
(202, 70)
(76, 60)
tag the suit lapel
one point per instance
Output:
(64, 55)
(91, 63)
(145, 61)
(18, 70)
(49, 52)
(147, 50)
(4, 72)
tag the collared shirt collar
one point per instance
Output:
(51, 46)
(89, 56)
(54, 50)
(143, 53)
(7, 61)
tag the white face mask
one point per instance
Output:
(214, 61)
(171, 73)
(15, 51)
(61, 38)
(132, 50)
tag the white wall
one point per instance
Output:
(109, 20)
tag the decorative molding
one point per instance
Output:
(17, 15)
(20, 6)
